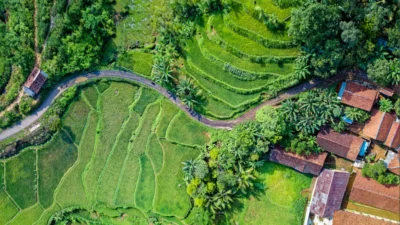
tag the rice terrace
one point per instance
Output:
(199, 112)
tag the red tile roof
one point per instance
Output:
(341, 217)
(393, 138)
(359, 96)
(344, 145)
(386, 91)
(369, 192)
(306, 164)
(329, 191)
(378, 126)
(35, 80)
(394, 165)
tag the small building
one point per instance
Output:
(344, 145)
(35, 82)
(393, 138)
(392, 162)
(379, 125)
(369, 192)
(341, 217)
(329, 191)
(306, 164)
(356, 95)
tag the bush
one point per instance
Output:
(357, 115)
(378, 172)
(385, 105)
(397, 107)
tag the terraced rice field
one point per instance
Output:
(238, 61)
(118, 154)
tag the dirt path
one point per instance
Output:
(225, 124)
(37, 54)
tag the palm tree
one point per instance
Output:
(290, 110)
(385, 105)
(162, 71)
(245, 179)
(189, 167)
(220, 200)
(188, 93)
(301, 71)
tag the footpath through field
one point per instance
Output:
(225, 124)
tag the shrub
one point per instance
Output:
(397, 107)
(357, 115)
(385, 105)
(378, 172)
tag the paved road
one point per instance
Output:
(225, 124)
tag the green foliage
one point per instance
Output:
(78, 37)
(378, 172)
(356, 114)
(312, 110)
(188, 93)
(136, 61)
(397, 107)
(386, 105)
(380, 71)
(303, 144)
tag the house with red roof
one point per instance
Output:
(357, 95)
(383, 127)
(369, 192)
(329, 192)
(311, 164)
(342, 144)
(35, 82)
(342, 217)
(392, 162)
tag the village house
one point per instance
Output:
(393, 138)
(329, 192)
(369, 192)
(35, 82)
(344, 145)
(341, 217)
(392, 162)
(311, 164)
(356, 95)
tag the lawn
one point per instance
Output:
(280, 203)
(137, 61)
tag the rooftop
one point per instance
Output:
(393, 138)
(393, 162)
(341, 217)
(369, 192)
(345, 145)
(379, 125)
(358, 96)
(306, 164)
(329, 191)
(35, 80)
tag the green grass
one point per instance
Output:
(61, 152)
(187, 131)
(217, 73)
(244, 44)
(125, 193)
(114, 107)
(242, 19)
(171, 198)
(146, 185)
(147, 127)
(281, 203)
(219, 53)
(137, 61)
(270, 8)
(28, 216)
(75, 119)
(109, 179)
(147, 96)
(73, 183)
(7, 208)
(155, 153)
(168, 111)
(231, 98)
(91, 94)
(21, 178)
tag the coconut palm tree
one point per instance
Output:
(245, 180)
(189, 167)
(162, 71)
(188, 93)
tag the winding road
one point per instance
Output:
(225, 124)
